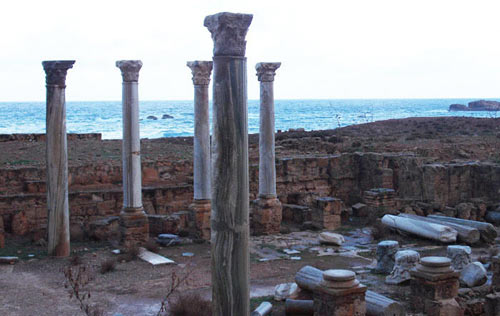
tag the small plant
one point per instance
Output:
(108, 265)
(175, 283)
(152, 246)
(75, 260)
(77, 280)
(131, 253)
(190, 305)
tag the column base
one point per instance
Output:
(266, 215)
(134, 226)
(200, 212)
(340, 302)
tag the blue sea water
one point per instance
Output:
(105, 117)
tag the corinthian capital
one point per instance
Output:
(56, 70)
(130, 69)
(201, 71)
(266, 71)
(228, 32)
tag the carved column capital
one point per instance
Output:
(266, 71)
(228, 32)
(56, 70)
(201, 71)
(130, 69)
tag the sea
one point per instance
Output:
(105, 117)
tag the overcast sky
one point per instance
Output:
(328, 49)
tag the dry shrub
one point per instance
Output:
(190, 305)
(75, 260)
(77, 281)
(108, 265)
(152, 246)
(131, 253)
(380, 231)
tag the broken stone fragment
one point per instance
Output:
(386, 251)
(263, 309)
(8, 260)
(459, 255)
(168, 239)
(331, 238)
(473, 275)
(405, 261)
(285, 290)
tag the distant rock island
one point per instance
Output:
(481, 105)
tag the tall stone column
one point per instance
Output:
(230, 195)
(57, 157)
(266, 210)
(133, 220)
(201, 163)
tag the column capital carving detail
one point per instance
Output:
(201, 71)
(228, 32)
(56, 70)
(130, 69)
(266, 71)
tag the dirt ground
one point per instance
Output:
(35, 285)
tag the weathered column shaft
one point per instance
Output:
(230, 195)
(131, 144)
(267, 163)
(201, 165)
(133, 220)
(57, 158)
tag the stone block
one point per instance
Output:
(2, 233)
(266, 216)
(105, 229)
(134, 227)
(360, 210)
(200, 213)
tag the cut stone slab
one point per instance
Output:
(331, 238)
(473, 275)
(285, 290)
(8, 260)
(459, 255)
(153, 258)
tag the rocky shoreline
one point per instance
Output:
(481, 105)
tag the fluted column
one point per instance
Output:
(201, 161)
(230, 196)
(57, 157)
(134, 224)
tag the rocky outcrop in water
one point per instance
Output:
(481, 105)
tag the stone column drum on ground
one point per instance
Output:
(133, 220)
(201, 161)
(386, 252)
(267, 209)
(57, 157)
(230, 187)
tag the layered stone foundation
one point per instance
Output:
(266, 214)
(200, 217)
(134, 227)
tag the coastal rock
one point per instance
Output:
(152, 117)
(481, 105)
(166, 116)
(458, 107)
(473, 275)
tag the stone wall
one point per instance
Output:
(95, 190)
